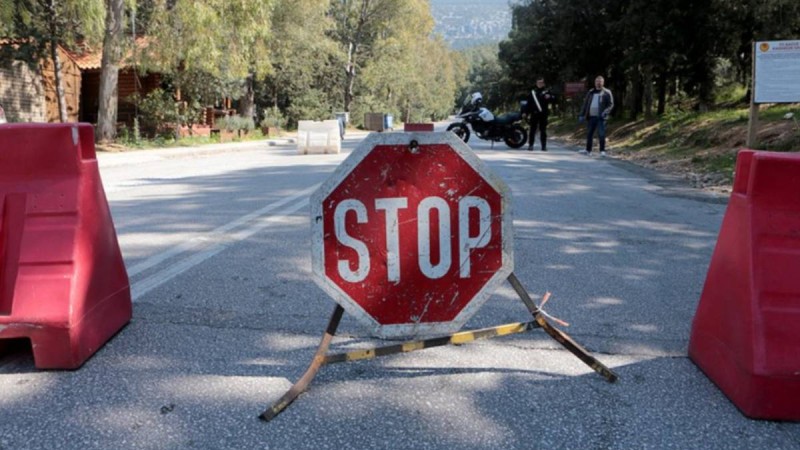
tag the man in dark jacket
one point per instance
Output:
(596, 107)
(538, 109)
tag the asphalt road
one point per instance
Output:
(226, 317)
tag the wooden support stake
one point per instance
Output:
(559, 335)
(319, 359)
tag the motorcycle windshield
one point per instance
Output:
(486, 115)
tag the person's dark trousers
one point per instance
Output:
(596, 124)
(538, 121)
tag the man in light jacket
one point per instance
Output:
(596, 107)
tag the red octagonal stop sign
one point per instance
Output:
(411, 239)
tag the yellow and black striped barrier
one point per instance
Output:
(454, 339)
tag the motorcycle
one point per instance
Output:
(486, 126)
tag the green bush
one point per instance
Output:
(131, 137)
(246, 124)
(159, 113)
(226, 123)
(236, 123)
(309, 105)
(273, 118)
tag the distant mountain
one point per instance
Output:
(466, 23)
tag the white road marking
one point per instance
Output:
(218, 240)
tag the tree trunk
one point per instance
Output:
(62, 104)
(662, 94)
(248, 100)
(352, 54)
(350, 77)
(705, 88)
(109, 77)
(705, 91)
(673, 87)
(648, 92)
(638, 92)
(632, 103)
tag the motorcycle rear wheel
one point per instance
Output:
(516, 137)
(460, 130)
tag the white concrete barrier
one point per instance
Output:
(318, 137)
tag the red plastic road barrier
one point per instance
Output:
(746, 332)
(63, 283)
(407, 127)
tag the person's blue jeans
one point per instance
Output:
(596, 124)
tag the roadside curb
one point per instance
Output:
(672, 185)
(108, 159)
(136, 156)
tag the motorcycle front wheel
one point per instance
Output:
(460, 130)
(516, 137)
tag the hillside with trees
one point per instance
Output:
(469, 23)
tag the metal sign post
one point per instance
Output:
(752, 124)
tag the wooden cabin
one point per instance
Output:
(28, 94)
(28, 91)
